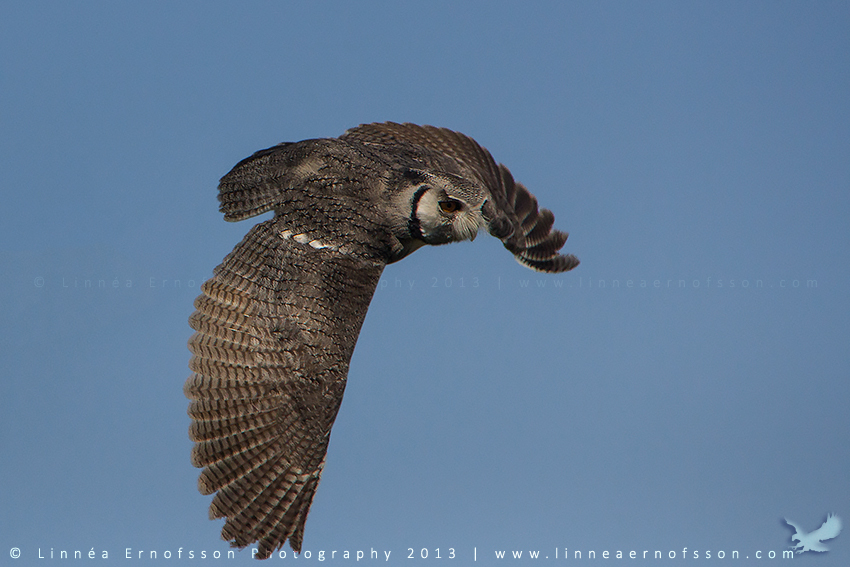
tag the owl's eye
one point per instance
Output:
(449, 206)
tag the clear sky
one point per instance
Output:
(685, 386)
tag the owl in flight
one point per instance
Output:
(277, 323)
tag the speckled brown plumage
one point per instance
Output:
(277, 324)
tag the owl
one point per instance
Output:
(277, 323)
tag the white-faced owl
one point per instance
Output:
(277, 324)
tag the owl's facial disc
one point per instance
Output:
(441, 218)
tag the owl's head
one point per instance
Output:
(443, 207)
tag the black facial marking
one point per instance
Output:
(413, 222)
(410, 173)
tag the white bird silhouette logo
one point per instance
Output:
(812, 541)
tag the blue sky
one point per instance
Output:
(685, 386)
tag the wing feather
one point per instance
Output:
(275, 330)
(277, 324)
(514, 215)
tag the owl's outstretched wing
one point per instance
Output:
(276, 327)
(513, 216)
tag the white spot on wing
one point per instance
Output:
(303, 238)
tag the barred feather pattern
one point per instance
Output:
(277, 324)
(270, 361)
(524, 229)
